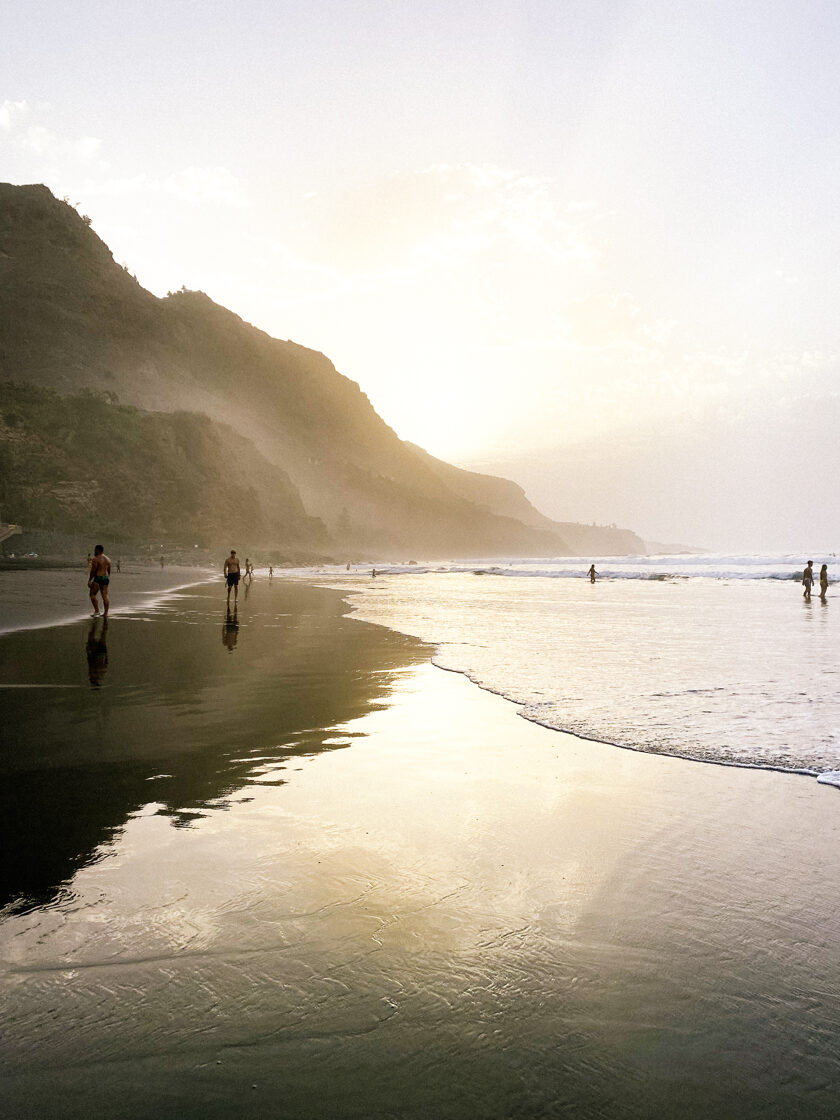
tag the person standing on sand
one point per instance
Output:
(232, 572)
(592, 574)
(823, 581)
(808, 579)
(99, 578)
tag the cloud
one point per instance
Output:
(11, 112)
(194, 185)
(49, 146)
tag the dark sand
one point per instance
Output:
(34, 597)
(291, 870)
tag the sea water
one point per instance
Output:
(715, 658)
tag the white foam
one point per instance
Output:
(706, 566)
(830, 778)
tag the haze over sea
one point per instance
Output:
(711, 657)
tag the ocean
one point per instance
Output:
(717, 658)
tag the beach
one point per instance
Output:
(282, 865)
(33, 597)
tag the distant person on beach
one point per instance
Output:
(808, 578)
(249, 571)
(592, 574)
(270, 572)
(161, 560)
(118, 566)
(823, 581)
(232, 573)
(99, 578)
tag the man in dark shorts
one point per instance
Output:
(99, 578)
(232, 573)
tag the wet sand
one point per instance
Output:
(35, 597)
(284, 867)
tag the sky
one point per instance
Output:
(589, 244)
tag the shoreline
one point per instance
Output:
(61, 597)
(149, 598)
(823, 777)
(298, 874)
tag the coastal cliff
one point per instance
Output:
(304, 450)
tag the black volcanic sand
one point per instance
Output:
(31, 596)
(194, 699)
(286, 868)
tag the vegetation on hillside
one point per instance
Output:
(86, 463)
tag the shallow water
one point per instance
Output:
(723, 670)
(303, 873)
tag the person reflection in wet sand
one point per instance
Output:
(97, 651)
(230, 630)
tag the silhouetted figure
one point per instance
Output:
(118, 566)
(348, 567)
(823, 581)
(97, 651)
(98, 579)
(592, 574)
(232, 573)
(373, 573)
(230, 630)
(270, 572)
(249, 571)
(161, 561)
(808, 579)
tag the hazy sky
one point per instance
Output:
(523, 228)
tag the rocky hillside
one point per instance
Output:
(83, 464)
(72, 320)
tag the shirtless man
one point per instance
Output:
(808, 579)
(99, 578)
(232, 572)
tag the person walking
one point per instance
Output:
(232, 572)
(808, 579)
(592, 574)
(823, 581)
(98, 579)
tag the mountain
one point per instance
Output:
(506, 497)
(279, 416)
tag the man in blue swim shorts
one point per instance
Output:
(232, 573)
(98, 579)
